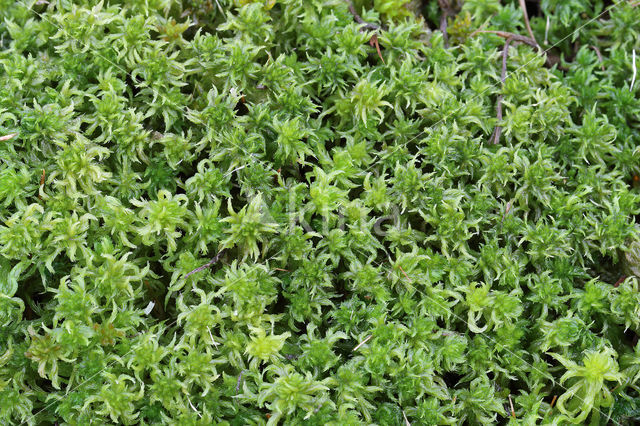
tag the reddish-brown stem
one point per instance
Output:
(512, 36)
(523, 6)
(620, 281)
(374, 43)
(553, 401)
(358, 18)
(206, 265)
(404, 273)
(446, 12)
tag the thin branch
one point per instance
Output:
(512, 36)
(446, 12)
(523, 6)
(594, 47)
(366, 26)
(206, 265)
(358, 18)
(497, 131)
(404, 273)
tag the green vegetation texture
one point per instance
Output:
(293, 212)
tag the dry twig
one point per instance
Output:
(358, 18)
(404, 273)
(553, 401)
(512, 36)
(447, 11)
(206, 265)
(523, 6)
(366, 27)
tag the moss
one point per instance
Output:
(250, 212)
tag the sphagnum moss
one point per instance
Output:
(261, 212)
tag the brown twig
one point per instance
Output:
(404, 273)
(512, 36)
(553, 401)
(523, 6)
(366, 26)
(599, 56)
(616, 387)
(358, 18)
(446, 12)
(497, 131)
(620, 281)
(206, 265)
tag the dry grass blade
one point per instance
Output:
(635, 70)
(362, 343)
(8, 137)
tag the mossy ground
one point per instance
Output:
(250, 212)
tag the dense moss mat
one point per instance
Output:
(249, 212)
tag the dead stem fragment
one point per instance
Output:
(523, 6)
(8, 137)
(512, 36)
(513, 412)
(447, 11)
(358, 18)
(595, 48)
(206, 265)
(553, 401)
(362, 343)
(374, 43)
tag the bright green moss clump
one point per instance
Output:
(376, 259)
